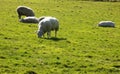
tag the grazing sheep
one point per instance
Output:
(47, 25)
(106, 24)
(26, 11)
(29, 20)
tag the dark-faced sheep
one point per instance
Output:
(29, 20)
(26, 11)
(47, 24)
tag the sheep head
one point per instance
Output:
(40, 33)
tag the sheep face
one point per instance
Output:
(40, 33)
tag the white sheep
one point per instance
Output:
(26, 11)
(106, 24)
(48, 24)
(29, 20)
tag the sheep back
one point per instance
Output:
(29, 20)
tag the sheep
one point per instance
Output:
(48, 24)
(106, 24)
(26, 11)
(29, 20)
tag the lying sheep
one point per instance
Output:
(47, 25)
(29, 20)
(26, 11)
(106, 24)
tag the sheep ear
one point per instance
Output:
(41, 18)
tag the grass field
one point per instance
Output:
(80, 48)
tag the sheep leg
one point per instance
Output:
(19, 16)
(55, 33)
(48, 34)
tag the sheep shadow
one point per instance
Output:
(56, 39)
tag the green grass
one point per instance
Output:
(81, 47)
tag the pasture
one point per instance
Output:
(80, 48)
